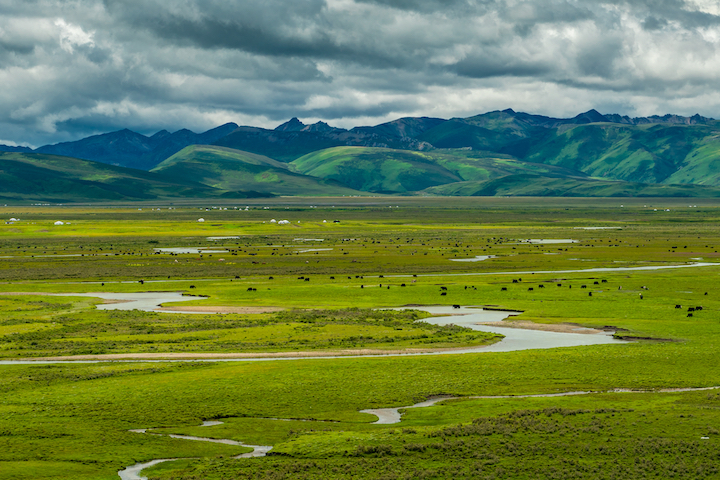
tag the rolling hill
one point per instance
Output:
(651, 153)
(511, 150)
(61, 179)
(293, 139)
(130, 149)
(532, 185)
(234, 170)
(382, 170)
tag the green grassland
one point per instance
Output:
(234, 170)
(493, 154)
(73, 420)
(532, 185)
(385, 170)
(608, 436)
(647, 153)
(67, 179)
(36, 326)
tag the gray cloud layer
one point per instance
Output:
(73, 68)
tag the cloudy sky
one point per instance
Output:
(71, 68)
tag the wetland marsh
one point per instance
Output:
(511, 414)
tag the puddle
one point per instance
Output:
(544, 241)
(479, 258)
(213, 239)
(211, 423)
(179, 250)
(307, 250)
(598, 228)
(308, 239)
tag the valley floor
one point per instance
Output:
(642, 407)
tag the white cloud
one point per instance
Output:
(70, 69)
(72, 36)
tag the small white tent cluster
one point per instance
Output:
(284, 222)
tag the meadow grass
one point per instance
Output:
(72, 420)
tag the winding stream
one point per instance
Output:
(389, 416)
(515, 338)
(470, 317)
(144, 301)
(386, 416)
(133, 472)
(475, 318)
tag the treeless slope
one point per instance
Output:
(56, 178)
(235, 170)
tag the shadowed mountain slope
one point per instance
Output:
(293, 140)
(56, 178)
(130, 149)
(411, 154)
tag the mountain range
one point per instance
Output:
(496, 153)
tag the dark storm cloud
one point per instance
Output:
(483, 67)
(654, 23)
(70, 69)
(446, 7)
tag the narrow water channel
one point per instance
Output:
(133, 472)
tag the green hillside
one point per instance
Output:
(655, 153)
(234, 170)
(542, 186)
(494, 153)
(54, 178)
(383, 170)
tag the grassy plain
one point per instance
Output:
(73, 420)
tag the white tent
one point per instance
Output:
(273, 221)
(201, 220)
(59, 223)
(284, 222)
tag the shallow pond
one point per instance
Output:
(193, 250)
(546, 241)
(479, 258)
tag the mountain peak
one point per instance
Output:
(591, 116)
(292, 125)
(321, 127)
